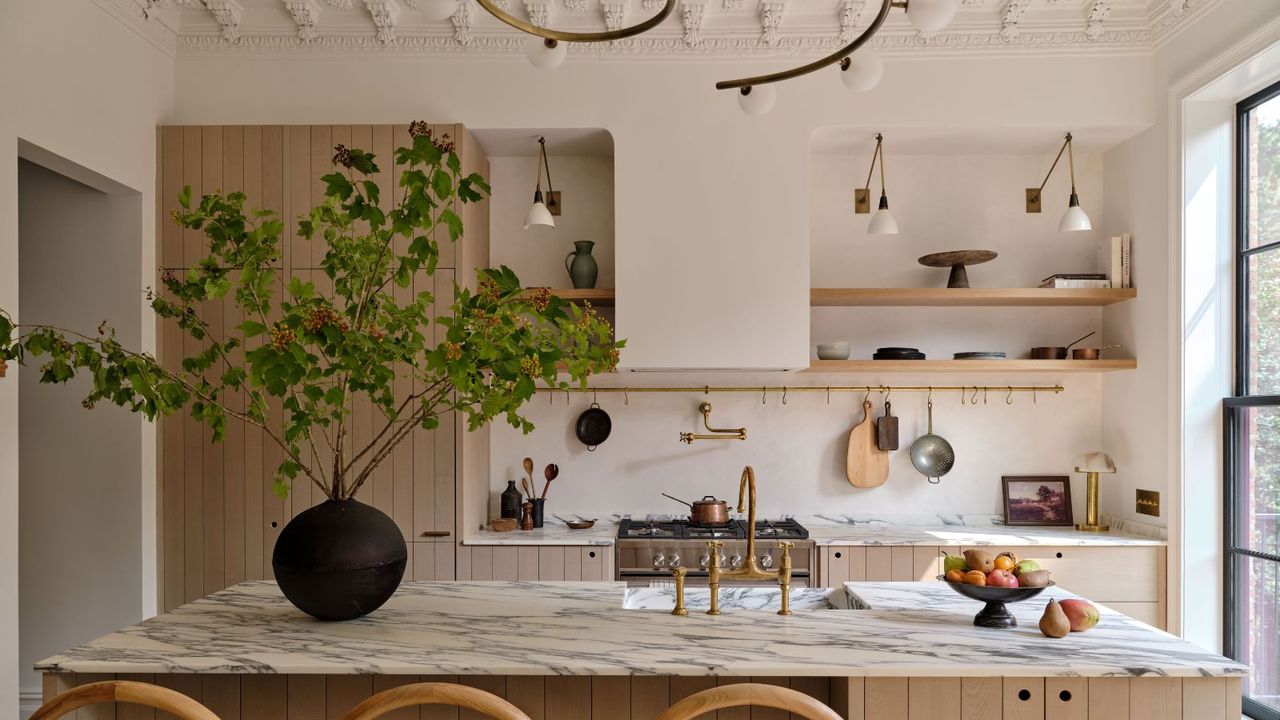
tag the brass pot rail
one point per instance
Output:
(784, 390)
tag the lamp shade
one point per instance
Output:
(1096, 461)
(1074, 219)
(538, 214)
(544, 54)
(438, 9)
(863, 72)
(883, 222)
(930, 16)
(757, 100)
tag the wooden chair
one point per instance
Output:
(436, 693)
(756, 694)
(124, 691)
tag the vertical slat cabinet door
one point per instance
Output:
(933, 698)
(1108, 698)
(252, 483)
(833, 566)
(551, 562)
(611, 697)
(527, 557)
(886, 698)
(1024, 699)
(387, 682)
(233, 509)
(847, 697)
(597, 563)
(1066, 698)
(929, 561)
(981, 698)
(529, 693)
(1205, 698)
(139, 712)
(307, 697)
(568, 698)
(169, 337)
(264, 697)
(1153, 698)
(212, 313)
(734, 713)
(194, 436)
(222, 695)
(343, 692)
(880, 564)
(275, 194)
(489, 683)
(818, 688)
(506, 562)
(447, 438)
(765, 713)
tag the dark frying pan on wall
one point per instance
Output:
(593, 427)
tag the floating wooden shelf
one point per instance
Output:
(968, 297)
(599, 297)
(971, 366)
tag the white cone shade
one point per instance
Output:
(538, 215)
(1074, 219)
(543, 57)
(759, 101)
(864, 72)
(437, 9)
(883, 223)
(930, 16)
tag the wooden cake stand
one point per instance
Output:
(957, 260)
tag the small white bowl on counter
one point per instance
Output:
(833, 351)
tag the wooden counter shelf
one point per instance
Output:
(599, 297)
(971, 366)
(969, 297)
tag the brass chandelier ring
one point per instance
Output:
(560, 35)
(840, 56)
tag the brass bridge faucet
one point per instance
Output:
(750, 569)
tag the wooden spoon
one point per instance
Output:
(551, 472)
(528, 487)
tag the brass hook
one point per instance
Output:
(984, 394)
(626, 397)
(1008, 400)
(974, 400)
(828, 394)
(764, 394)
(867, 398)
(931, 395)
(706, 389)
(1033, 396)
(886, 391)
(963, 391)
(595, 398)
(784, 394)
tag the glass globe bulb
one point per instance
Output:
(437, 9)
(864, 71)
(930, 16)
(545, 54)
(757, 100)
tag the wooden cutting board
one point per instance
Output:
(866, 465)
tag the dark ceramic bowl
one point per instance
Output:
(995, 614)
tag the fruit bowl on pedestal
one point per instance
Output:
(995, 614)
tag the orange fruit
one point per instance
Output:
(975, 577)
(955, 576)
(1005, 562)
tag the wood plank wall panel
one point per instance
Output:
(218, 516)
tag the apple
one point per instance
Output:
(1001, 578)
(1082, 614)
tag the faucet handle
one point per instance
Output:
(715, 544)
(786, 545)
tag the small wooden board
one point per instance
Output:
(866, 465)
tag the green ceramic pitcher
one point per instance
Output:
(581, 266)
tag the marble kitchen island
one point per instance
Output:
(570, 651)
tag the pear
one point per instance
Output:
(1034, 578)
(1054, 622)
(979, 559)
(1026, 566)
(953, 562)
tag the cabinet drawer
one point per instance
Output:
(1118, 574)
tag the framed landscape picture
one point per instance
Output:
(1037, 500)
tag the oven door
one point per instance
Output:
(699, 579)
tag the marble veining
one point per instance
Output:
(563, 628)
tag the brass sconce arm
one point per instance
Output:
(1033, 194)
(714, 433)
(862, 195)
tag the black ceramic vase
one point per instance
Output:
(339, 560)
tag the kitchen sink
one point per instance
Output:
(764, 598)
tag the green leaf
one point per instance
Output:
(454, 223)
(184, 197)
(252, 328)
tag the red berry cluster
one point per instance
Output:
(321, 316)
(418, 128)
(282, 337)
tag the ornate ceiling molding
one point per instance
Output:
(850, 13)
(227, 13)
(691, 12)
(1098, 12)
(385, 15)
(615, 14)
(770, 20)
(462, 20)
(306, 14)
(1012, 15)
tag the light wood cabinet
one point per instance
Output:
(217, 516)
(839, 564)
(535, 562)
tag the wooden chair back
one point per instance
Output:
(124, 691)
(754, 694)
(435, 693)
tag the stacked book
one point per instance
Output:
(1076, 280)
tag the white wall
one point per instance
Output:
(1146, 188)
(80, 510)
(81, 85)
(537, 255)
(713, 207)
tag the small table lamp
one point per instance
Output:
(1091, 464)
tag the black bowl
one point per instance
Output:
(995, 614)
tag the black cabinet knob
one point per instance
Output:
(1024, 694)
(591, 554)
(1065, 696)
(1059, 554)
(839, 555)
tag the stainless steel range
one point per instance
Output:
(646, 550)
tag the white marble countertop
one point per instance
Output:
(531, 628)
(837, 530)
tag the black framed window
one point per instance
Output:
(1252, 414)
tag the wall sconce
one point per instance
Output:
(1074, 219)
(541, 213)
(1091, 464)
(882, 222)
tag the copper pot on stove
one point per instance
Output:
(707, 511)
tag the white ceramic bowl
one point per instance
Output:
(833, 351)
